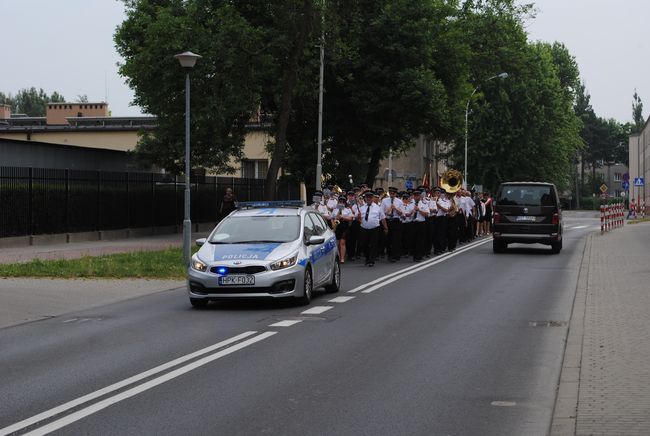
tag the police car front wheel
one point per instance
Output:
(335, 285)
(308, 288)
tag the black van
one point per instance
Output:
(527, 212)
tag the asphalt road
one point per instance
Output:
(464, 344)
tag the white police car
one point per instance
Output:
(265, 250)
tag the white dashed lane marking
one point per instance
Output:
(316, 310)
(286, 323)
(340, 299)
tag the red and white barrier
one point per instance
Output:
(612, 216)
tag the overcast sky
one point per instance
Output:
(67, 46)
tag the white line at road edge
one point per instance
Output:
(94, 408)
(340, 299)
(119, 385)
(417, 265)
(420, 268)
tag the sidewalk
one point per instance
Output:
(76, 250)
(605, 383)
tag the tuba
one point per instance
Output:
(451, 181)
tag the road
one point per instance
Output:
(463, 344)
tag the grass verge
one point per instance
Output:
(163, 264)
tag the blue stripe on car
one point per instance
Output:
(244, 251)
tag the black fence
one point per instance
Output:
(37, 201)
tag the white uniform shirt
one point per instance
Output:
(469, 205)
(345, 212)
(424, 207)
(385, 205)
(324, 211)
(443, 202)
(332, 203)
(407, 208)
(433, 207)
(374, 216)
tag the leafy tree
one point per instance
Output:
(31, 101)
(637, 113)
(393, 71)
(226, 83)
(82, 98)
(523, 127)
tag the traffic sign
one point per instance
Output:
(603, 188)
(409, 184)
(623, 194)
(639, 181)
(626, 177)
(625, 185)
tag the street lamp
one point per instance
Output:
(469, 100)
(187, 60)
(319, 152)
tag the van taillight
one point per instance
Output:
(556, 218)
(497, 217)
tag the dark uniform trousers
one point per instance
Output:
(351, 243)
(452, 232)
(440, 238)
(407, 238)
(471, 228)
(461, 223)
(368, 242)
(419, 239)
(394, 238)
(431, 234)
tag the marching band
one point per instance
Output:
(416, 223)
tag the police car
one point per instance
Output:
(265, 250)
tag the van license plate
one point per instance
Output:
(527, 219)
(237, 280)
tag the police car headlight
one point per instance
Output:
(284, 263)
(198, 265)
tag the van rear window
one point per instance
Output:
(526, 195)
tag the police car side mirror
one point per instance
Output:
(315, 240)
(200, 242)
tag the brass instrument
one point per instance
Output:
(337, 189)
(451, 181)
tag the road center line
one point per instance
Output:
(340, 299)
(418, 265)
(421, 267)
(316, 310)
(286, 323)
(119, 385)
(94, 408)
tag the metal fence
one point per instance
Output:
(46, 201)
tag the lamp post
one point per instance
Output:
(469, 100)
(187, 60)
(319, 165)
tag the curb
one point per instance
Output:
(566, 400)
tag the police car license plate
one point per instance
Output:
(528, 219)
(237, 280)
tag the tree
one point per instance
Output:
(637, 113)
(82, 98)
(30, 101)
(226, 83)
(523, 127)
(393, 71)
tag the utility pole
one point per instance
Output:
(319, 165)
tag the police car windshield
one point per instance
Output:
(256, 230)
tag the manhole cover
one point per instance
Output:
(546, 323)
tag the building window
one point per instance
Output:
(618, 177)
(254, 168)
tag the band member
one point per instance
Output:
(461, 220)
(469, 215)
(440, 240)
(421, 210)
(391, 207)
(344, 216)
(431, 220)
(353, 234)
(372, 220)
(452, 224)
(321, 207)
(406, 217)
